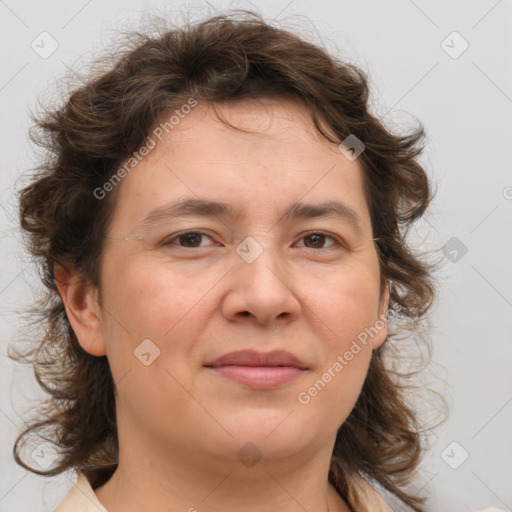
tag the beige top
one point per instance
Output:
(362, 498)
(81, 498)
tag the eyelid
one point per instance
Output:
(340, 242)
(168, 240)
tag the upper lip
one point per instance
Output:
(254, 358)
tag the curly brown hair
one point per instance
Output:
(105, 120)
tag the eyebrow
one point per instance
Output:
(195, 207)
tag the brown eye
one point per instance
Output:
(189, 239)
(316, 240)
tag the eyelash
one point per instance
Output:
(167, 242)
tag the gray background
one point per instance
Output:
(465, 103)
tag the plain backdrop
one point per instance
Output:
(446, 63)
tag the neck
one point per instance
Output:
(154, 483)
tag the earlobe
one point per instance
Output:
(82, 309)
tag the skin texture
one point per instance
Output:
(180, 424)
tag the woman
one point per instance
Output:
(220, 224)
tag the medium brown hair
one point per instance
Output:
(105, 120)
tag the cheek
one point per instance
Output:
(148, 299)
(347, 302)
(346, 308)
(144, 303)
(333, 391)
(156, 302)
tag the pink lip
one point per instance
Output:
(260, 377)
(254, 358)
(259, 370)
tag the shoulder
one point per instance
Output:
(363, 497)
(81, 498)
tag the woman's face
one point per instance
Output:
(249, 278)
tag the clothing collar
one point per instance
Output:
(362, 497)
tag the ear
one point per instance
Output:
(82, 309)
(382, 322)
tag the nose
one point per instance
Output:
(261, 290)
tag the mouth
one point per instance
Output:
(259, 370)
(260, 377)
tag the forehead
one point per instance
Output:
(280, 161)
(261, 123)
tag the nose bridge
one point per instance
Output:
(261, 260)
(260, 285)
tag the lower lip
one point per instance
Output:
(260, 377)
